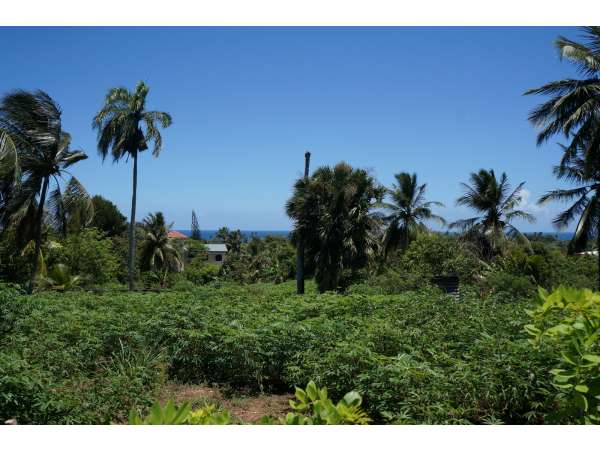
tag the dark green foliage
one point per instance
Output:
(416, 357)
(333, 212)
(550, 266)
(271, 259)
(158, 251)
(38, 155)
(429, 255)
(496, 205)
(107, 217)
(201, 272)
(509, 286)
(195, 228)
(14, 266)
(233, 239)
(407, 212)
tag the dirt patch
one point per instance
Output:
(245, 408)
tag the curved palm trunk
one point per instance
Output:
(38, 234)
(131, 256)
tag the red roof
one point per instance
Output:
(177, 235)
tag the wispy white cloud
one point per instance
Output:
(529, 203)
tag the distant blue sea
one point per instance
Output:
(210, 234)
(561, 236)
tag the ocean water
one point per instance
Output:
(560, 236)
(209, 234)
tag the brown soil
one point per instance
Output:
(244, 408)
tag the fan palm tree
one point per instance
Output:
(574, 107)
(38, 153)
(125, 129)
(408, 212)
(158, 252)
(495, 202)
(333, 211)
(586, 206)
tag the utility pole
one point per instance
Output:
(300, 249)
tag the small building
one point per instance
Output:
(176, 235)
(216, 253)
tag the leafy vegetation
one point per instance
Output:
(35, 151)
(416, 357)
(568, 321)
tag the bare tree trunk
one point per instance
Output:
(131, 255)
(38, 234)
(300, 249)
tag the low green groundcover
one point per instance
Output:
(414, 357)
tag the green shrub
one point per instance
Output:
(91, 255)
(508, 286)
(200, 272)
(568, 321)
(434, 254)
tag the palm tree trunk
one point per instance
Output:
(598, 250)
(38, 234)
(131, 255)
(300, 249)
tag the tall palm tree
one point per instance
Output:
(125, 129)
(573, 109)
(586, 206)
(158, 252)
(39, 154)
(408, 212)
(333, 211)
(495, 202)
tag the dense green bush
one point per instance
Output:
(415, 357)
(508, 285)
(272, 259)
(434, 254)
(550, 266)
(89, 254)
(201, 272)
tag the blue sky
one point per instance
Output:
(247, 102)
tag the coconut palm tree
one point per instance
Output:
(495, 202)
(158, 252)
(70, 210)
(573, 109)
(333, 212)
(37, 154)
(585, 208)
(408, 212)
(125, 129)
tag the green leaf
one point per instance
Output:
(353, 398)
(312, 391)
(581, 388)
(592, 358)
